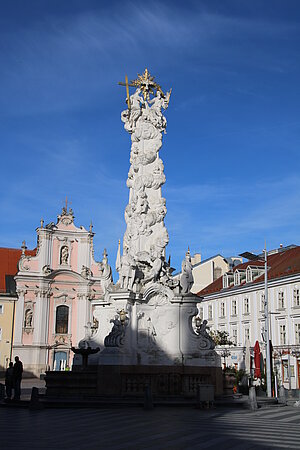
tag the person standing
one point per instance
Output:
(17, 376)
(9, 380)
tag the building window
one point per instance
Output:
(297, 333)
(296, 297)
(262, 302)
(201, 313)
(234, 336)
(1, 309)
(222, 309)
(236, 278)
(282, 335)
(248, 275)
(246, 306)
(210, 312)
(247, 334)
(233, 307)
(62, 319)
(0, 334)
(281, 300)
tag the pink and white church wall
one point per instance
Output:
(55, 293)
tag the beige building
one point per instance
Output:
(207, 271)
(9, 258)
(7, 308)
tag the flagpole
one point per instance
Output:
(268, 361)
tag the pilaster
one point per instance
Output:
(19, 317)
(41, 319)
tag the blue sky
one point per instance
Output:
(231, 152)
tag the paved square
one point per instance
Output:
(162, 428)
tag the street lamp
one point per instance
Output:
(224, 354)
(253, 257)
(268, 360)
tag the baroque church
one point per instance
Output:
(56, 289)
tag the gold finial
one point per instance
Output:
(146, 84)
(23, 247)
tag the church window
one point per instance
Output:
(62, 319)
(210, 312)
(1, 309)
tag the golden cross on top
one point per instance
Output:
(65, 207)
(145, 82)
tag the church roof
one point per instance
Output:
(283, 263)
(9, 258)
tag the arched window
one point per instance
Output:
(62, 319)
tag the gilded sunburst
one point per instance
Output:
(147, 84)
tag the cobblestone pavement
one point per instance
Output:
(161, 428)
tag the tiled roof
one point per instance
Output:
(9, 258)
(280, 264)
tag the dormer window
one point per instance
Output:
(236, 278)
(253, 272)
(239, 277)
(227, 280)
(248, 275)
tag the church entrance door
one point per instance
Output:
(60, 361)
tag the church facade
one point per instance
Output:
(55, 289)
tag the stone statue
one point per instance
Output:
(64, 255)
(186, 277)
(127, 271)
(85, 272)
(46, 269)
(203, 328)
(106, 277)
(146, 208)
(116, 337)
(28, 318)
(155, 111)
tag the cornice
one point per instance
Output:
(250, 287)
